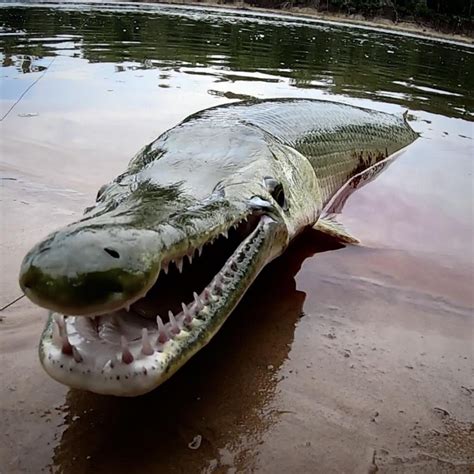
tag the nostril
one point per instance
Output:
(113, 253)
(27, 281)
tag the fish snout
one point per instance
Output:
(85, 274)
(85, 294)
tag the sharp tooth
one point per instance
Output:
(187, 318)
(57, 332)
(209, 295)
(199, 303)
(59, 320)
(76, 354)
(199, 250)
(127, 357)
(179, 264)
(66, 347)
(162, 332)
(206, 296)
(159, 322)
(190, 257)
(146, 346)
(165, 267)
(225, 234)
(175, 329)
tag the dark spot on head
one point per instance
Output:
(101, 191)
(113, 253)
(219, 190)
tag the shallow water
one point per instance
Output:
(363, 361)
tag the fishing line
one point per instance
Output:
(12, 302)
(27, 89)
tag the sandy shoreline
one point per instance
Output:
(320, 376)
(354, 20)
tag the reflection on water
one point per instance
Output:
(91, 85)
(222, 394)
(338, 60)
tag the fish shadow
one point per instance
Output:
(222, 395)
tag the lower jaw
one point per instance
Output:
(144, 375)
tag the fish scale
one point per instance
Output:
(329, 134)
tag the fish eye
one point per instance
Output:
(279, 195)
(277, 192)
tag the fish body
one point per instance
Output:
(225, 191)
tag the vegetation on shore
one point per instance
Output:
(453, 16)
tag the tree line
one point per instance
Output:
(450, 15)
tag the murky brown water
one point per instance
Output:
(339, 359)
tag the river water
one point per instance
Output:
(339, 359)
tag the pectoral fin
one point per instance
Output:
(330, 226)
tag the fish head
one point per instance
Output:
(152, 270)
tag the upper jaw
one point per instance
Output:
(132, 366)
(65, 275)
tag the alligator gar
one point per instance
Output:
(224, 192)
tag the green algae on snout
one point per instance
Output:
(97, 288)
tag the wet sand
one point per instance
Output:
(363, 362)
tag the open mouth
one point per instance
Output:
(144, 337)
